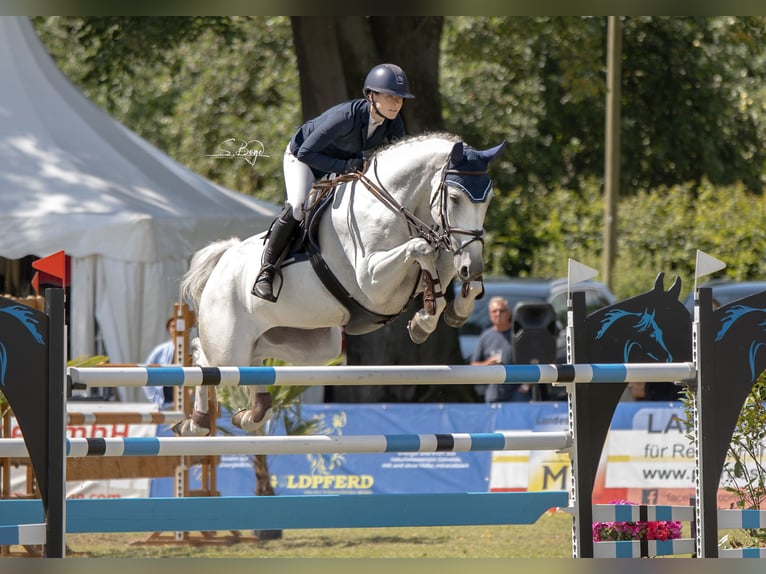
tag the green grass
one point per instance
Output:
(550, 537)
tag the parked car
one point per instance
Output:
(524, 290)
(725, 291)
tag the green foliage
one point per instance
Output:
(745, 466)
(692, 124)
(691, 103)
(657, 231)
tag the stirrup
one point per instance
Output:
(265, 277)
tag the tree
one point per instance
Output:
(691, 109)
(334, 55)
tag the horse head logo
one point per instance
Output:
(26, 318)
(651, 327)
(646, 338)
(744, 327)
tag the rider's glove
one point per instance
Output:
(354, 164)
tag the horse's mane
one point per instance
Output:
(732, 316)
(611, 317)
(409, 140)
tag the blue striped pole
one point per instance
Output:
(732, 518)
(639, 548)
(82, 377)
(22, 534)
(317, 444)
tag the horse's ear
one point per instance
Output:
(659, 282)
(456, 156)
(675, 289)
(491, 153)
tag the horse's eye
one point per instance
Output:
(454, 198)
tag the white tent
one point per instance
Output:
(130, 217)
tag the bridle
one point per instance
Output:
(438, 236)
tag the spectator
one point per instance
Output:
(162, 354)
(494, 348)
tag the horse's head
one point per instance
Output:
(464, 196)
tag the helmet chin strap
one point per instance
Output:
(374, 106)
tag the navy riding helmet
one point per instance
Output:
(388, 79)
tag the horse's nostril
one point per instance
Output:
(464, 272)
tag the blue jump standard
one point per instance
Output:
(291, 512)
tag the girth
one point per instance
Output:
(362, 320)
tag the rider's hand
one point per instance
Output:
(354, 164)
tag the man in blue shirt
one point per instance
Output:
(494, 348)
(332, 143)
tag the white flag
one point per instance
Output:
(579, 272)
(707, 264)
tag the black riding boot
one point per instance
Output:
(280, 236)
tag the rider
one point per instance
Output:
(332, 143)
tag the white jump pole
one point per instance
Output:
(388, 375)
(317, 444)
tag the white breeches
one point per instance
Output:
(298, 181)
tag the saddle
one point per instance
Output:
(306, 247)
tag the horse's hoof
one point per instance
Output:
(201, 419)
(452, 319)
(417, 333)
(188, 427)
(245, 419)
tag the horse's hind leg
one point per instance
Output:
(294, 346)
(199, 423)
(258, 414)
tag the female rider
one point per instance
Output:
(332, 143)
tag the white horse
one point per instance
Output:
(409, 225)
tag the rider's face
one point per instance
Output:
(387, 105)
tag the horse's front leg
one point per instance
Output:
(424, 323)
(385, 272)
(458, 310)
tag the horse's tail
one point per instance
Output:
(202, 264)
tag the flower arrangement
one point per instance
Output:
(649, 530)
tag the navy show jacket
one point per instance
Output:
(340, 133)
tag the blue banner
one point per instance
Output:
(384, 473)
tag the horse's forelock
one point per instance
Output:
(646, 321)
